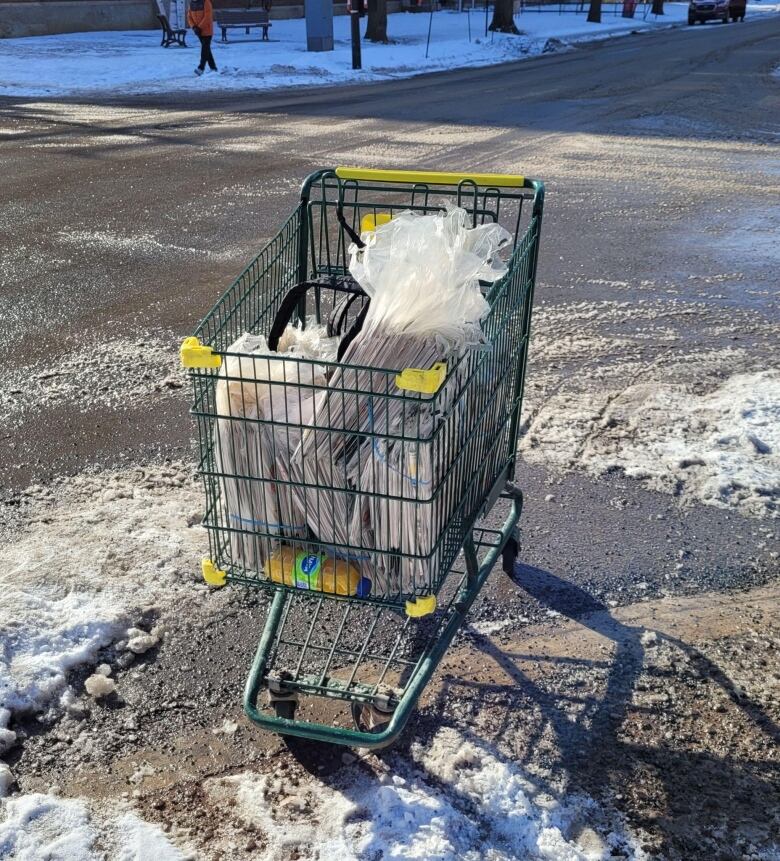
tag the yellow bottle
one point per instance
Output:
(317, 572)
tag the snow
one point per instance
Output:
(6, 779)
(458, 799)
(489, 628)
(133, 61)
(38, 826)
(41, 826)
(98, 685)
(7, 736)
(139, 642)
(96, 552)
(721, 447)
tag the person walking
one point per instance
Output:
(201, 18)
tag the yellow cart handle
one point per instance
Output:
(493, 180)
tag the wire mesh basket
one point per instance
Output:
(340, 479)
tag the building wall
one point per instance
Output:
(44, 17)
(47, 17)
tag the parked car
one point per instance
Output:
(716, 10)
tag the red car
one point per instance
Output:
(716, 10)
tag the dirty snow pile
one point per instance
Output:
(720, 446)
(458, 801)
(96, 551)
(39, 826)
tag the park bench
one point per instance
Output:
(245, 18)
(170, 36)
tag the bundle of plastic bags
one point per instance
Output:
(264, 401)
(422, 274)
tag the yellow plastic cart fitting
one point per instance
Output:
(196, 355)
(211, 574)
(423, 605)
(419, 380)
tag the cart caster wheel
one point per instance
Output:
(370, 719)
(285, 708)
(509, 556)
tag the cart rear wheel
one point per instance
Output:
(285, 709)
(509, 556)
(368, 718)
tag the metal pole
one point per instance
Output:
(354, 15)
(486, 18)
(430, 24)
(468, 15)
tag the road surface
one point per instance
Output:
(124, 221)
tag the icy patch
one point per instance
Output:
(96, 551)
(720, 447)
(458, 802)
(39, 826)
(114, 374)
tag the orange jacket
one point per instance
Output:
(202, 17)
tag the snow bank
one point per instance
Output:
(41, 826)
(134, 62)
(457, 800)
(720, 447)
(96, 551)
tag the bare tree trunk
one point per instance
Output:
(658, 7)
(504, 17)
(594, 12)
(376, 28)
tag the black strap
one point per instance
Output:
(339, 314)
(295, 294)
(353, 331)
(347, 229)
(285, 312)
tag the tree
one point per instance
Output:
(376, 28)
(594, 11)
(504, 17)
(658, 7)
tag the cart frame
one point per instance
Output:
(296, 255)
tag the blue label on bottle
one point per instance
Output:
(309, 564)
(307, 571)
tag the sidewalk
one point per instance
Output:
(120, 63)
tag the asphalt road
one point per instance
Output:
(123, 222)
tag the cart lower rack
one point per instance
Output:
(360, 493)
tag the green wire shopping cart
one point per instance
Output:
(379, 576)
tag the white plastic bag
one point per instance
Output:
(422, 274)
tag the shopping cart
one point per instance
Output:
(329, 653)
